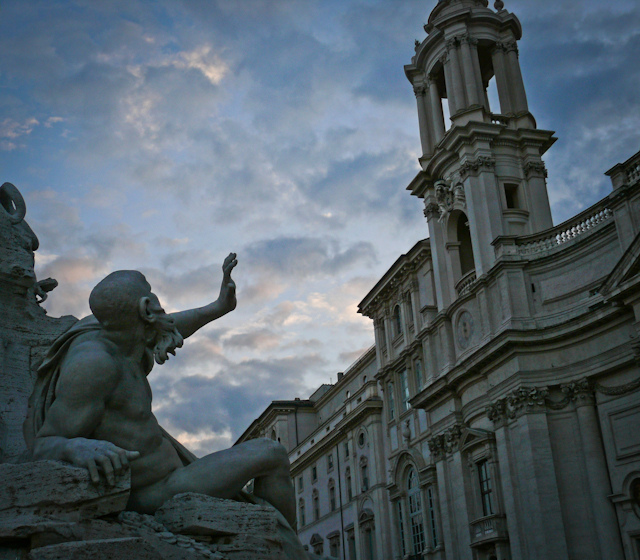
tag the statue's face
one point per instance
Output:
(167, 338)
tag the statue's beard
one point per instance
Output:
(166, 338)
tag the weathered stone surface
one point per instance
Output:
(107, 549)
(198, 514)
(50, 489)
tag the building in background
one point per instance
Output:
(335, 441)
(497, 416)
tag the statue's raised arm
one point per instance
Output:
(188, 322)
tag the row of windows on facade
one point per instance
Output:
(368, 549)
(330, 463)
(331, 486)
(405, 390)
(411, 530)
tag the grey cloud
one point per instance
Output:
(260, 339)
(303, 256)
(233, 398)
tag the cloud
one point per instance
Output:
(299, 257)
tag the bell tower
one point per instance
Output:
(482, 171)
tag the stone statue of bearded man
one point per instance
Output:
(92, 403)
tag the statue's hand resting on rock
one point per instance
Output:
(94, 406)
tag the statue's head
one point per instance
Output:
(124, 300)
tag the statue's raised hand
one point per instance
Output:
(99, 456)
(227, 299)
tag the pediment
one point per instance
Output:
(625, 276)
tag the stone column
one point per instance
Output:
(484, 100)
(502, 78)
(519, 94)
(437, 116)
(378, 330)
(538, 489)
(509, 483)
(606, 522)
(471, 79)
(456, 75)
(423, 120)
(448, 78)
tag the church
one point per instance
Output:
(496, 417)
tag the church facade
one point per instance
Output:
(501, 401)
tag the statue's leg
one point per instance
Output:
(224, 473)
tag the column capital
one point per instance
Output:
(420, 91)
(511, 46)
(431, 210)
(535, 168)
(469, 40)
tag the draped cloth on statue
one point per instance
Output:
(44, 394)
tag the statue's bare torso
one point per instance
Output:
(126, 418)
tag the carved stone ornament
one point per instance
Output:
(535, 167)
(449, 196)
(475, 165)
(517, 402)
(446, 442)
(431, 209)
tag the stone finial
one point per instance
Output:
(499, 5)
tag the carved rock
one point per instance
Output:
(198, 514)
(54, 490)
(106, 549)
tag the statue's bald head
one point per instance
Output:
(114, 301)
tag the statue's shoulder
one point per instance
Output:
(91, 356)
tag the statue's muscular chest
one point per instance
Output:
(132, 396)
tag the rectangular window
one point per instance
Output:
(417, 366)
(485, 488)
(332, 497)
(330, 462)
(432, 517)
(316, 508)
(404, 389)
(392, 401)
(346, 449)
(349, 490)
(511, 195)
(314, 473)
(300, 484)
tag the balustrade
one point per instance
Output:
(580, 225)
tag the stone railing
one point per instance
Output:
(582, 224)
(633, 173)
(492, 527)
(465, 283)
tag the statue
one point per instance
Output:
(91, 405)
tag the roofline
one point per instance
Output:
(391, 272)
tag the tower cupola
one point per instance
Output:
(483, 174)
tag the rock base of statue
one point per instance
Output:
(50, 510)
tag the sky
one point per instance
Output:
(160, 135)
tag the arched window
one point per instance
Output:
(415, 512)
(397, 320)
(316, 505)
(273, 434)
(301, 512)
(332, 495)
